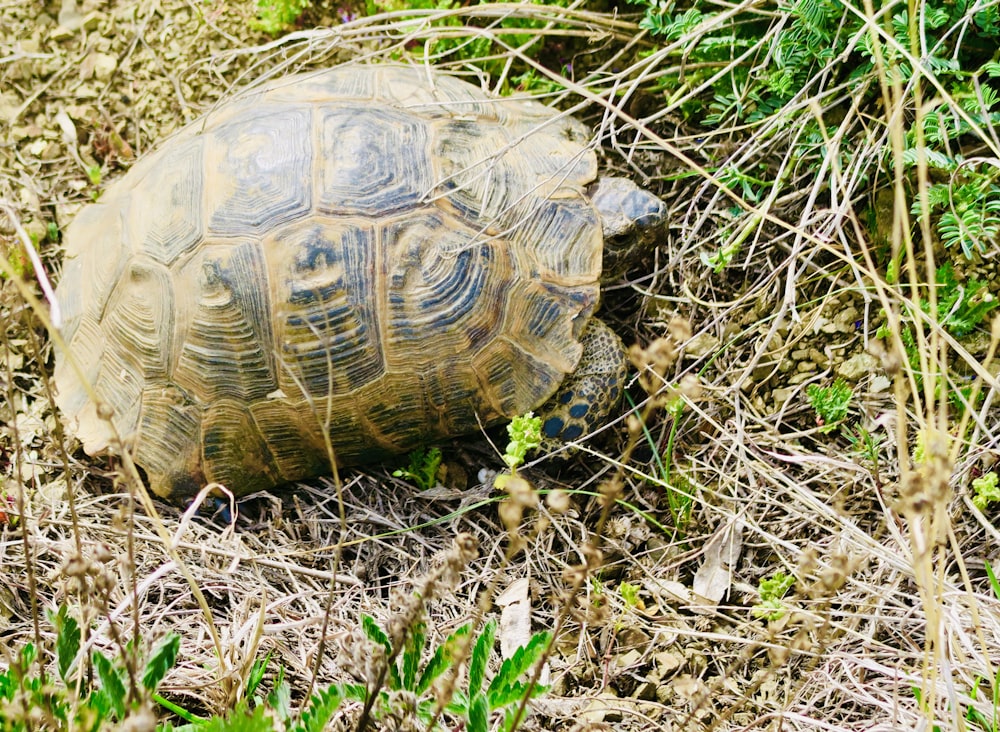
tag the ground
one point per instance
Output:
(647, 551)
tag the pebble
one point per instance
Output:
(703, 344)
(857, 366)
(782, 395)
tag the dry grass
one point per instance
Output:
(891, 622)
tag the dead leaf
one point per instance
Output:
(714, 576)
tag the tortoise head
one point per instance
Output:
(631, 218)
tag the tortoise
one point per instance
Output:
(382, 254)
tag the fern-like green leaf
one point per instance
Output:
(479, 714)
(504, 688)
(411, 655)
(161, 659)
(112, 685)
(280, 698)
(375, 634)
(480, 656)
(323, 704)
(67, 640)
(443, 658)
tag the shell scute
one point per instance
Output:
(87, 281)
(356, 176)
(513, 379)
(226, 340)
(260, 167)
(234, 452)
(169, 433)
(294, 433)
(165, 207)
(442, 287)
(327, 317)
(139, 320)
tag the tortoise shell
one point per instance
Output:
(380, 254)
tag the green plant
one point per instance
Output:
(485, 48)
(987, 491)
(966, 207)
(865, 443)
(416, 679)
(974, 716)
(749, 68)
(423, 468)
(830, 403)
(772, 590)
(525, 432)
(274, 16)
(78, 702)
(961, 308)
(629, 594)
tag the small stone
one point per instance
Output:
(879, 383)
(847, 316)
(703, 344)
(831, 327)
(646, 691)
(857, 366)
(818, 357)
(667, 664)
(70, 18)
(104, 66)
(780, 396)
(629, 659)
(51, 151)
(92, 20)
(9, 107)
(820, 324)
(602, 709)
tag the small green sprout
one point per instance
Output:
(830, 402)
(94, 174)
(864, 443)
(423, 468)
(721, 257)
(274, 16)
(630, 594)
(20, 264)
(771, 591)
(987, 491)
(525, 434)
